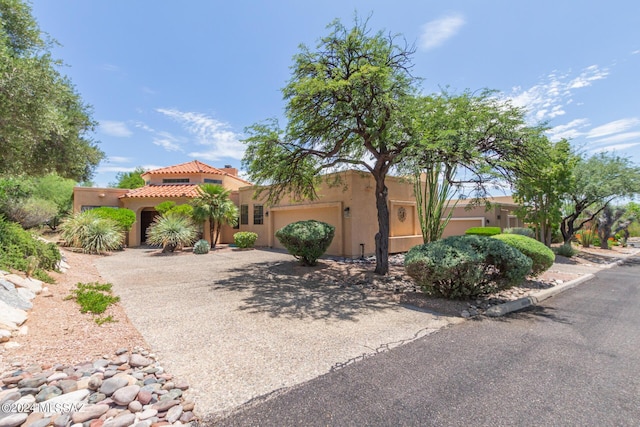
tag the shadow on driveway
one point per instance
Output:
(276, 289)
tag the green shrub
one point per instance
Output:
(171, 231)
(170, 207)
(201, 247)
(306, 240)
(31, 212)
(18, 246)
(43, 276)
(565, 250)
(245, 239)
(522, 231)
(91, 233)
(122, 216)
(462, 267)
(483, 231)
(94, 298)
(541, 256)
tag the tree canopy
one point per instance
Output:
(129, 180)
(542, 188)
(44, 124)
(597, 181)
(464, 144)
(345, 108)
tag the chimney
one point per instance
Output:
(230, 170)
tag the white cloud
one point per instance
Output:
(615, 147)
(547, 99)
(110, 67)
(436, 32)
(616, 126)
(570, 130)
(163, 139)
(148, 90)
(636, 52)
(588, 75)
(222, 142)
(103, 169)
(117, 159)
(117, 129)
(621, 137)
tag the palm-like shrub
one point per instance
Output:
(541, 256)
(171, 231)
(214, 204)
(91, 233)
(306, 240)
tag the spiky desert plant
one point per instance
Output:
(171, 231)
(91, 233)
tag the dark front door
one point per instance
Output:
(146, 218)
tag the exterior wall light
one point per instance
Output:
(347, 212)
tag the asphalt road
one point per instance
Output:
(572, 361)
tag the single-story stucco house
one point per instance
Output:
(349, 207)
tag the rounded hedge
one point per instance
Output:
(524, 231)
(541, 256)
(306, 240)
(462, 267)
(483, 231)
(245, 239)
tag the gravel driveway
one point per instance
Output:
(236, 326)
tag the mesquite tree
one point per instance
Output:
(346, 107)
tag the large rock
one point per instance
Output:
(7, 285)
(110, 385)
(26, 294)
(125, 395)
(69, 399)
(89, 412)
(122, 420)
(11, 316)
(138, 360)
(14, 299)
(34, 285)
(13, 420)
(5, 335)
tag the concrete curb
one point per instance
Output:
(536, 298)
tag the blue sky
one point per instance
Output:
(170, 82)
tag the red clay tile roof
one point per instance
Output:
(167, 190)
(194, 166)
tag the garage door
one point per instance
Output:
(457, 227)
(330, 215)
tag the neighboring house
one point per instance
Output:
(349, 207)
(174, 183)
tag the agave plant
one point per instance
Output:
(92, 233)
(171, 231)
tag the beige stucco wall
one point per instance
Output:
(351, 208)
(90, 196)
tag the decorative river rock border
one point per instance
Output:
(129, 388)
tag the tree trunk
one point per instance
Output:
(382, 236)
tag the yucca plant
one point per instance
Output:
(91, 233)
(171, 231)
